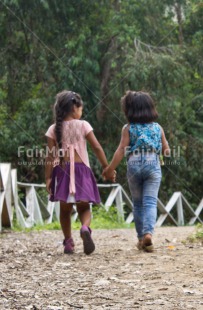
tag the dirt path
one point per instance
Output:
(35, 274)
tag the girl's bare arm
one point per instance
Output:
(49, 161)
(97, 148)
(120, 152)
(165, 146)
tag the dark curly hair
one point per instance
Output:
(139, 107)
(64, 104)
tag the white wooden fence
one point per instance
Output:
(33, 210)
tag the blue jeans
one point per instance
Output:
(144, 177)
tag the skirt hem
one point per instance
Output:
(77, 201)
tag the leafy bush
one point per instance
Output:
(198, 235)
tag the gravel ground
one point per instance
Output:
(35, 274)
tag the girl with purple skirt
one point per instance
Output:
(69, 178)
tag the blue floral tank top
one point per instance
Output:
(145, 137)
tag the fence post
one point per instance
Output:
(6, 213)
(180, 211)
(119, 204)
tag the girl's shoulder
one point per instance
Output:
(84, 122)
(52, 126)
(156, 125)
(157, 129)
(84, 126)
(126, 126)
(87, 128)
(51, 131)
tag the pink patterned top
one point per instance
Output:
(74, 134)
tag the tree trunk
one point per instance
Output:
(105, 77)
(178, 10)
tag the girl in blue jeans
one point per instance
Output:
(142, 141)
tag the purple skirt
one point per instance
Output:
(85, 184)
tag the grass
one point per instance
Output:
(198, 235)
(101, 220)
(38, 227)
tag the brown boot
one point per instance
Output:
(147, 243)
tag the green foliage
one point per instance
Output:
(38, 227)
(101, 219)
(90, 47)
(198, 235)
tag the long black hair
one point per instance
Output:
(139, 107)
(64, 104)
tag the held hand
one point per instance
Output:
(48, 185)
(109, 174)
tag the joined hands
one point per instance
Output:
(109, 174)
